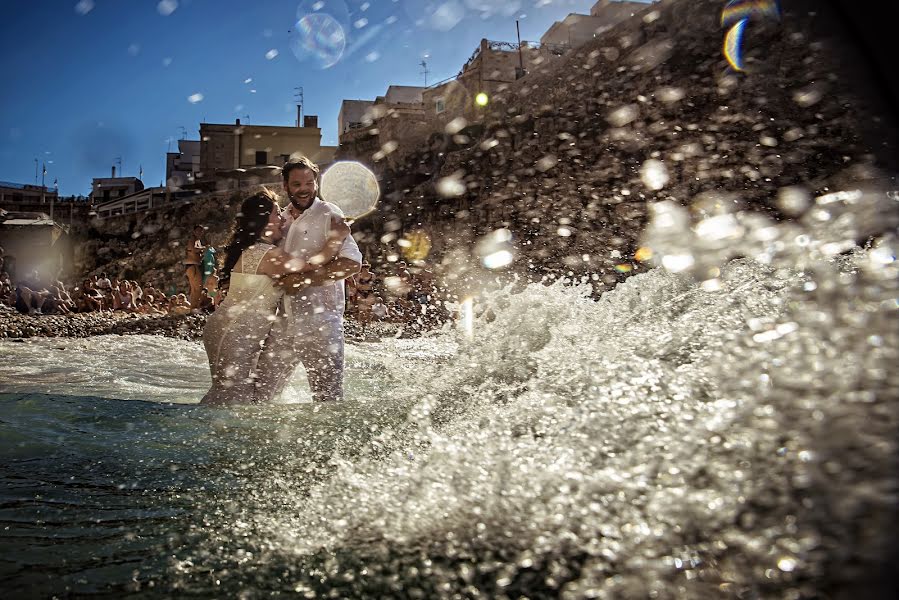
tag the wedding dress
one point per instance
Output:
(235, 332)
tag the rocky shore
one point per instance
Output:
(14, 325)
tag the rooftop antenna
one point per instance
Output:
(298, 98)
(424, 66)
(520, 61)
(118, 159)
(247, 117)
(35, 171)
(183, 131)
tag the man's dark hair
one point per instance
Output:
(299, 162)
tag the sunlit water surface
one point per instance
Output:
(667, 440)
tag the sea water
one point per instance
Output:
(674, 439)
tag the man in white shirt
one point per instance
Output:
(310, 330)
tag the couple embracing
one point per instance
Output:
(285, 299)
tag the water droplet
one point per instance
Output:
(793, 200)
(546, 163)
(670, 94)
(456, 125)
(451, 186)
(654, 174)
(447, 16)
(624, 115)
(677, 263)
(84, 6)
(167, 7)
(807, 97)
(786, 564)
(496, 250)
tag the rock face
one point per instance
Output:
(149, 247)
(568, 158)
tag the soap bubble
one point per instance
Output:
(318, 38)
(352, 187)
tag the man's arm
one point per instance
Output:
(337, 270)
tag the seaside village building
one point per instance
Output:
(405, 116)
(27, 198)
(226, 157)
(181, 167)
(575, 30)
(32, 241)
(238, 153)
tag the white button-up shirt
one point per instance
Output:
(304, 238)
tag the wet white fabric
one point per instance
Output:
(235, 332)
(311, 328)
(304, 238)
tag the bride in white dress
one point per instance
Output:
(235, 333)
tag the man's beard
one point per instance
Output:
(296, 201)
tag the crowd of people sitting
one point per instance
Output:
(392, 295)
(98, 293)
(395, 295)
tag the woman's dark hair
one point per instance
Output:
(248, 228)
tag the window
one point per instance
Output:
(261, 157)
(439, 105)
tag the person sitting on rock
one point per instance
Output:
(86, 298)
(31, 294)
(102, 283)
(59, 302)
(179, 305)
(7, 292)
(122, 299)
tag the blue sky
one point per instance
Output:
(90, 81)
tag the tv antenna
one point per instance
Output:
(424, 71)
(298, 98)
(183, 131)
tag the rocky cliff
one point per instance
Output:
(568, 158)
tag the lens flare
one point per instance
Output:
(415, 245)
(738, 10)
(643, 254)
(318, 38)
(736, 15)
(733, 45)
(466, 317)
